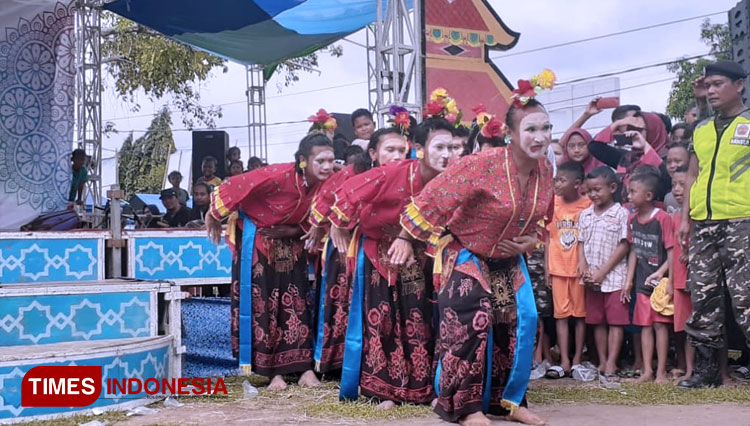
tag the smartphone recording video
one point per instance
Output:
(622, 140)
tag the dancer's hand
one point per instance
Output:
(517, 245)
(401, 252)
(341, 238)
(213, 228)
(312, 238)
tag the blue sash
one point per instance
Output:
(526, 323)
(246, 294)
(318, 354)
(351, 369)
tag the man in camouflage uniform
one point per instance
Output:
(718, 206)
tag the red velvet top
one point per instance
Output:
(480, 201)
(269, 196)
(375, 199)
(321, 204)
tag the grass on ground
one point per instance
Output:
(323, 402)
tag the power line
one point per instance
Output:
(632, 30)
(245, 100)
(629, 70)
(591, 96)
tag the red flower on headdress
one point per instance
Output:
(525, 89)
(492, 129)
(479, 109)
(433, 108)
(321, 117)
(402, 119)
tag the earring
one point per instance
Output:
(420, 154)
(304, 179)
(508, 140)
(303, 165)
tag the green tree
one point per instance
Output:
(716, 37)
(138, 58)
(143, 161)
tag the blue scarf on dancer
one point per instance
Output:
(526, 324)
(351, 369)
(318, 352)
(246, 294)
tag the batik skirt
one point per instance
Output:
(398, 343)
(469, 315)
(333, 313)
(282, 307)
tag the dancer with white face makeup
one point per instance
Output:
(389, 337)
(478, 218)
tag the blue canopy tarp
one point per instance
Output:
(262, 32)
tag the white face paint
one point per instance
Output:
(533, 135)
(441, 150)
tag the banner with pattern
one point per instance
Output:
(37, 83)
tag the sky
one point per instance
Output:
(341, 84)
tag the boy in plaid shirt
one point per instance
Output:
(603, 235)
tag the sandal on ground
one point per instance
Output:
(584, 374)
(741, 373)
(555, 372)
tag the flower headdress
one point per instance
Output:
(442, 105)
(489, 126)
(529, 89)
(400, 118)
(323, 121)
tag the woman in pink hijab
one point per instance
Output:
(575, 146)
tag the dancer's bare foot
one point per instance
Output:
(528, 417)
(385, 405)
(475, 419)
(308, 379)
(433, 404)
(277, 384)
(647, 376)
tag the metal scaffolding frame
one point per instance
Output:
(257, 132)
(89, 90)
(394, 58)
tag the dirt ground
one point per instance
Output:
(244, 413)
(283, 413)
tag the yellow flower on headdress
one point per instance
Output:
(483, 118)
(451, 106)
(546, 79)
(438, 94)
(330, 124)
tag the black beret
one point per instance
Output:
(728, 69)
(166, 193)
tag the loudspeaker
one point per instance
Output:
(214, 143)
(345, 127)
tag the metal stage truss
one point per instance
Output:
(394, 59)
(257, 132)
(89, 90)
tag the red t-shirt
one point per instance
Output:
(651, 240)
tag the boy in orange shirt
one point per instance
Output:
(568, 293)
